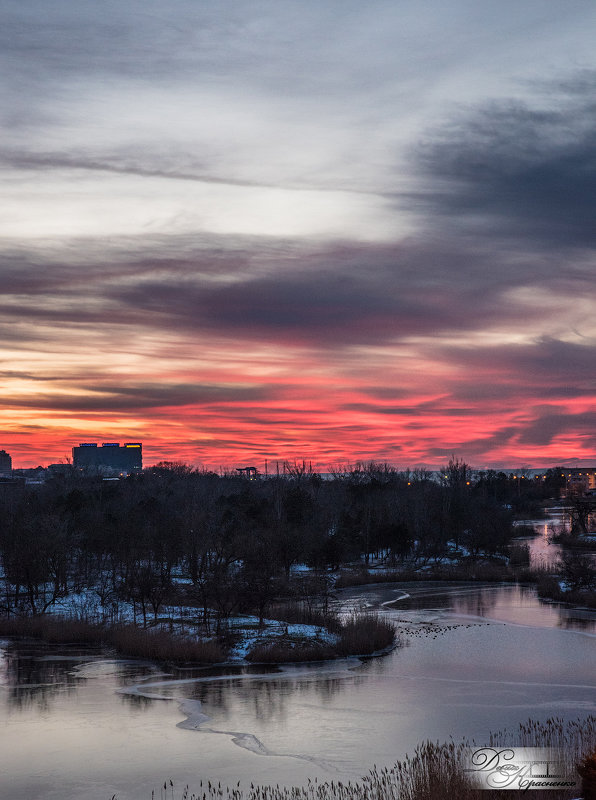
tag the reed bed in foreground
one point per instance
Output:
(576, 739)
(434, 772)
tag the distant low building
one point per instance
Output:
(5, 465)
(248, 472)
(30, 475)
(59, 469)
(580, 480)
(110, 459)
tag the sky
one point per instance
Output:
(340, 232)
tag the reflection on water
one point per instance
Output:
(544, 553)
(478, 658)
(478, 603)
(31, 678)
(33, 675)
(269, 699)
(503, 602)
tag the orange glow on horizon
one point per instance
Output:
(326, 422)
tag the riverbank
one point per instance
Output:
(126, 640)
(472, 571)
(550, 588)
(570, 582)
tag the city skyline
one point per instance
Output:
(239, 232)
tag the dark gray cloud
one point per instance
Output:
(339, 294)
(541, 431)
(511, 180)
(326, 295)
(111, 398)
(478, 446)
(516, 169)
(557, 365)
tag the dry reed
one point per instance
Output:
(129, 640)
(434, 772)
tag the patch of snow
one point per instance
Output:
(246, 628)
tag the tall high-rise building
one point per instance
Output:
(5, 464)
(110, 458)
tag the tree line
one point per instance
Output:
(234, 541)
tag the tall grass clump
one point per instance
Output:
(53, 629)
(576, 739)
(159, 645)
(434, 772)
(361, 577)
(363, 634)
(549, 586)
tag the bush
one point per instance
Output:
(549, 587)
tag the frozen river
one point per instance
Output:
(475, 658)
